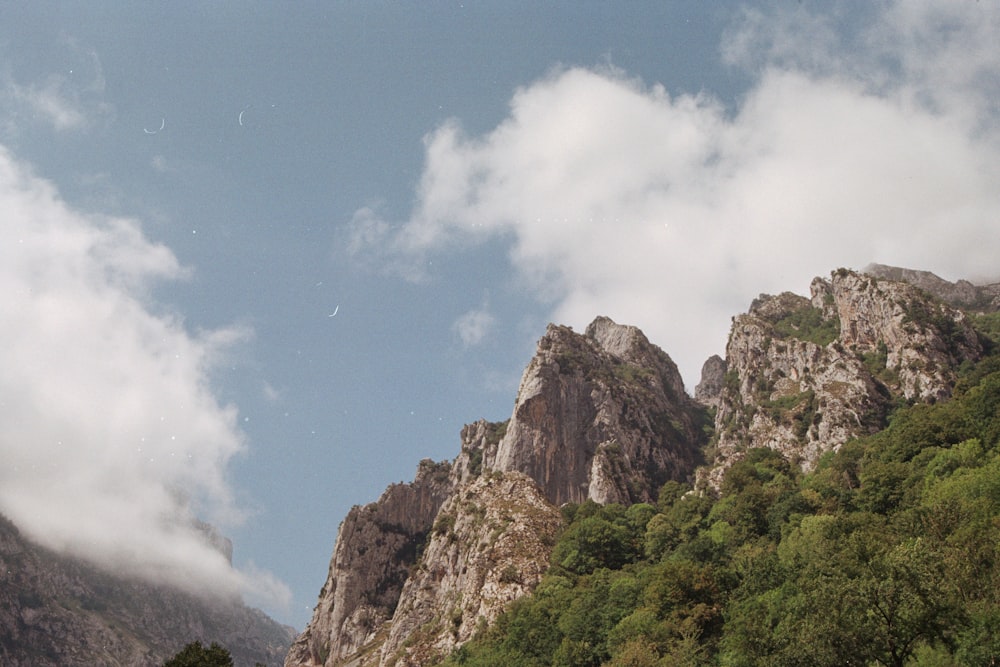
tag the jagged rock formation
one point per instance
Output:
(713, 379)
(923, 341)
(806, 375)
(492, 539)
(599, 416)
(376, 546)
(58, 611)
(962, 293)
(602, 416)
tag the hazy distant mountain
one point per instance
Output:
(59, 611)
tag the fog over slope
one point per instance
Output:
(112, 440)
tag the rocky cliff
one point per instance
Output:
(61, 612)
(376, 546)
(490, 545)
(962, 293)
(803, 376)
(601, 415)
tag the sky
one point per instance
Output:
(257, 260)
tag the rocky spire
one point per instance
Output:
(601, 416)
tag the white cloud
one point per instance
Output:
(473, 326)
(111, 438)
(671, 213)
(52, 102)
(68, 100)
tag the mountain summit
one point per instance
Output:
(602, 417)
(599, 416)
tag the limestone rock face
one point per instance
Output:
(962, 293)
(480, 441)
(376, 545)
(601, 416)
(924, 340)
(713, 379)
(806, 375)
(490, 545)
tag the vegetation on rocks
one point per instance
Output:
(848, 514)
(888, 553)
(807, 323)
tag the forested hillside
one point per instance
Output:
(887, 553)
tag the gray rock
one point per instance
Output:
(798, 389)
(601, 416)
(713, 379)
(376, 546)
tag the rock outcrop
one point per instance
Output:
(806, 375)
(490, 545)
(713, 379)
(59, 611)
(924, 341)
(376, 546)
(962, 293)
(602, 416)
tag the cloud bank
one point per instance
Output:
(111, 439)
(673, 212)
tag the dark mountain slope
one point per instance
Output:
(61, 612)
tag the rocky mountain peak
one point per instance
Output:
(805, 375)
(961, 293)
(713, 380)
(774, 308)
(619, 340)
(601, 416)
(923, 340)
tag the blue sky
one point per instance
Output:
(260, 258)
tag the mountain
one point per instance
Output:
(59, 611)
(803, 376)
(601, 415)
(962, 293)
(601, 419)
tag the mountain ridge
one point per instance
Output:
(603, 417)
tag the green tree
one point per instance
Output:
(197, 655)
(855, 593)
(609, 537)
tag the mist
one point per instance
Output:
(113, 442)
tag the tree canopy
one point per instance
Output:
(197, 655)
(888, 553)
